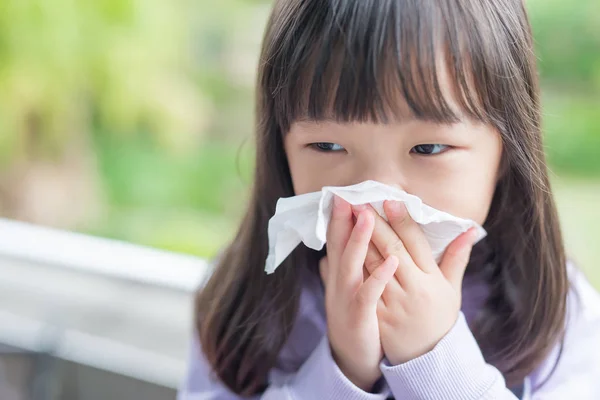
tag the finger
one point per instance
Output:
(374, 260)
(388, 243)
(349, 275)
(370, 292)
(456, 258)
(339, 230)
(411, 234)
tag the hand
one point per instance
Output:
(350, 302)
(422, 303)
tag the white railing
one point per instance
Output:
(61, 251)
(106, 257)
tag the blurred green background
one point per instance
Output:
(133, 119)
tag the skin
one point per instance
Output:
(384, 292)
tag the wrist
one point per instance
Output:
(406, 357)
(363, 378)
(399, 353)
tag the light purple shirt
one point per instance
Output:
(453, 370)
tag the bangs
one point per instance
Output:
(383, 61)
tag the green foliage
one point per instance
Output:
(185, 203)
(567, 37)
(122, 61)
(139, 174)
(572, 127)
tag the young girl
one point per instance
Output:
(441, 99)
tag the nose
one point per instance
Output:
(383, 170)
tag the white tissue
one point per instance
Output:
(305, 218)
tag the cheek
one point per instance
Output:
(474, 206)
(465, 190)
(301, 179)
(461, 197)
(311, 177)
(308, 173)
(471, 183)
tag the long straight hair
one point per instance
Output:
(354, 60)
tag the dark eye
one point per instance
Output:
(327, 147)
(429, 149)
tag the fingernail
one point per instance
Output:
(337, 202)
(356, 209)
(360, 220)
(473, 235)
(397, 207)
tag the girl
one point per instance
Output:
(441, 99)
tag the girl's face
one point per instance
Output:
(453, 168)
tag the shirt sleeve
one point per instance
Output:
(454, 370)
(318, 378)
